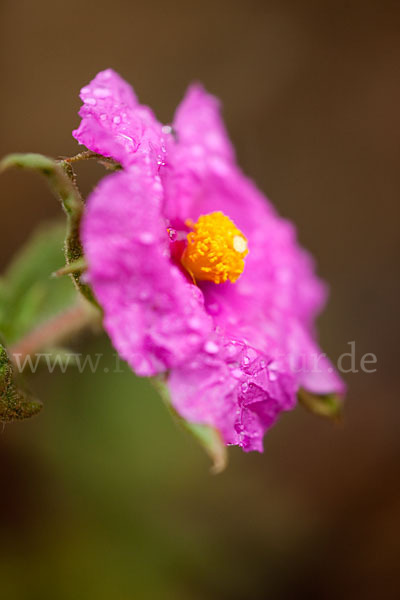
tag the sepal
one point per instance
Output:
(329, 405)
(209, 438)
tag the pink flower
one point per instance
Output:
(235, 349)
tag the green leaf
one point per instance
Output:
(15, 404)
(329, 405)
(208, 437)
(29, 295)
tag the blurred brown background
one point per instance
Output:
(100, 496)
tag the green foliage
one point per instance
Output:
(15, 404)
(29, 295)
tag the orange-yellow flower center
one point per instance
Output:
(215, 250)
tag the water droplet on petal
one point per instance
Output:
(273, 371)
(127, 137)
(237, 373)
(195, 323)
(146, 238)
(101, 92)
(211, 347)
(213, 308)
(239, 243)
(172, 234)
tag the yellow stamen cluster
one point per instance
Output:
(216, 249)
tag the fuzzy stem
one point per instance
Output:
(106, 161)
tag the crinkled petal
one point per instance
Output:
(202, 177)
(202, 145)
(278, 273)
(238, 353)
(200, 128)
(115, 125)
(314, 371)
(234, 388)
(274, 303)
(154, 316)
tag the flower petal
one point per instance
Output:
(278, 273)
(234, 388)
(316, 373)
(274, 303)
(114, 124)
(202, 145)
(202, 177)
(240, 359)
(200, 128)
(154, 316)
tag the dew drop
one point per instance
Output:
(237, 373)
(213, 308)
(146, 238)
(211, 347)
(172, 234)
(195, 323)
(272, 376)
(101, 92)
(127, 137)
(239, 244)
